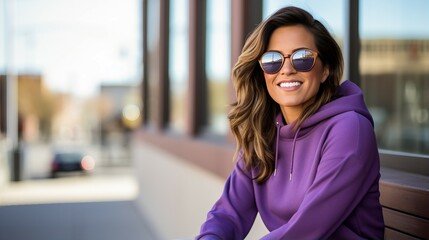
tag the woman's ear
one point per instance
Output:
(325, 73)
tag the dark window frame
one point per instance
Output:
(213, 155)
(216, 156)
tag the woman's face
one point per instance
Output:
(291, 89)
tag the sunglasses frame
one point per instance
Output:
(290, 56)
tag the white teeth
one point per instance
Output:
(289, 84)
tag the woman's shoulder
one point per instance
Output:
(350, 130)
(350, 118)
(350, 122)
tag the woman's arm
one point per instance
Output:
(233, 214)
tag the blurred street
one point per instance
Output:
(110, 220)
(109, 184)
(74, 206)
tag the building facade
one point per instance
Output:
(185, 150)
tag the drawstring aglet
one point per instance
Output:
(290, 176)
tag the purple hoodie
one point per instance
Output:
(325, 185)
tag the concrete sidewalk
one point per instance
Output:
(118, 185)
(97, 207)
(114, 220)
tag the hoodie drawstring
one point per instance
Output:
(277, 147)
(293, 154)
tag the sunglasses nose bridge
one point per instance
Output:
(287, 60)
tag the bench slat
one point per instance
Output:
(405, 192)
(391, 234)
(402, 222)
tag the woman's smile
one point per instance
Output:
(289, 85)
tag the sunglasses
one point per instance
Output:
(302, 60)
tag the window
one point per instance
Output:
(68, 53)
(218, 55)
(396, 78)
(151, 63)
(75, 71)
(178, 66)
(333, 20)
(3, 39)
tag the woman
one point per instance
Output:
(307, 157)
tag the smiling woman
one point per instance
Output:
(295, 159)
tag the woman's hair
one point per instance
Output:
(253, 115)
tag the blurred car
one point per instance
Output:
(71, 162)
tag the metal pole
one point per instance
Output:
(11, 92)
(352, 42)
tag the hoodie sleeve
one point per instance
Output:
(233, 214)
(348, 171)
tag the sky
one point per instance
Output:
(398, 18)
(76, 45)
(379, 18)
(79, 44)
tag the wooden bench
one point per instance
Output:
(405, 200)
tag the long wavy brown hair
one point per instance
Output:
(253, 115)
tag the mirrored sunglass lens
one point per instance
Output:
(271, 62)
(303, 60)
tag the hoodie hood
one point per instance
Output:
(349, 97)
